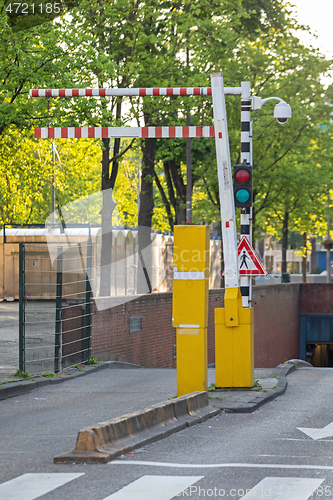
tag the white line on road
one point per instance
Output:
(31, 486)
(217, 466)
(161, 487)
(324, 432)
(276, 488)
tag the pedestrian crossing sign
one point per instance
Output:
(248, 262)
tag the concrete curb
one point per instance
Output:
(108, 440)
(282, 371)
(12, 389)
(259, 401)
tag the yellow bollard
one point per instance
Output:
(190, 306)
(234, 345)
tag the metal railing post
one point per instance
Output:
(87, 315)
(58, 326)
(22, 307)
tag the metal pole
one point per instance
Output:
(188, 159)
(328, 251)
(57, 337)
(188, 172)
(52, 186)
(246, 155)
(139, 186)
(22, 307)
(88, 317)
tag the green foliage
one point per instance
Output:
(27, 171)
(159, 43)
(22, 374)
(92, 361)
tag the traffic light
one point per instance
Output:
(243, 185)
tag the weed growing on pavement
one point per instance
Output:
(92, 361)
(21, 374)
(48, 374)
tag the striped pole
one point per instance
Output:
(129, 132)
(246, 155)
(168, 91)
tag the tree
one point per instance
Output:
(28, 58)
(123, 44)
(27, 172)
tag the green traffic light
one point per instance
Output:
(242, 196)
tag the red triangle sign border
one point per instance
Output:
(259, 268)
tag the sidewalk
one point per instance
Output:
(269, 383)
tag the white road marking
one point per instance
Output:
(31, 486)
(161, 487)
(220, 466)
(284, 456)
(277, 488)
(304, 439)
(324, 432)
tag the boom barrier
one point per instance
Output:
(130, 132)
(141, 92)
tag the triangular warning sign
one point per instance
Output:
(248, 262)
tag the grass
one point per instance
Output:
(21, 374)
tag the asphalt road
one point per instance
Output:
(258, 455)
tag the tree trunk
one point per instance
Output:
(108, 183)
(285, 232)
(145, 216)
(176, 190)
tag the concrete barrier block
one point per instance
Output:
(162, 419)
(87, 440)
(121, 428)
(83, 457)
(196, 401)
(137, 423)
(108, 440)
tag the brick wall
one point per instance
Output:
(316, 298)
(276, 324)
(153, 346)
(276, 319)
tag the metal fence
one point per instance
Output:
(54, 306)
(125, 259)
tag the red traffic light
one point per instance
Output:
(242, 176)
(243, 185)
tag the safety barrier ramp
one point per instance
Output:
(108, 440)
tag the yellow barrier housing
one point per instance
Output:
(234, 342)
(190, 306)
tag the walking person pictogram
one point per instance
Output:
(243, 260)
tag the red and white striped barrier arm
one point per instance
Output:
(129, 132)
(168, 91)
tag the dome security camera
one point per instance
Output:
(282, 112)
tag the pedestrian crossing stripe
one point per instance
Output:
(32, 485)
(161, 487)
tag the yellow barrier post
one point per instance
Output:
(234, 345)
(190, 306)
